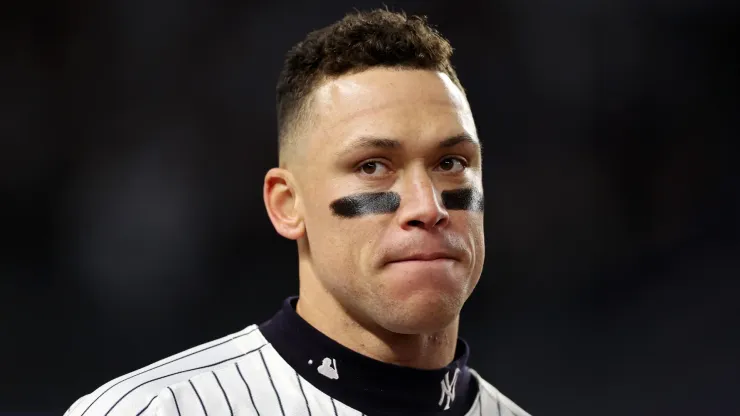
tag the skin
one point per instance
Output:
(351, 289)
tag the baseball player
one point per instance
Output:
(379, 182)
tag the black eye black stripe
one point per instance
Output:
(386, 202)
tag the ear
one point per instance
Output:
(283, 203)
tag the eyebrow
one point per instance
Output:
(460, 138)
(385, 143)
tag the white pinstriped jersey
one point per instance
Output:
(241, 374)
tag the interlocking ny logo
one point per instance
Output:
(448, 389)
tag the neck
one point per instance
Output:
(325, 313)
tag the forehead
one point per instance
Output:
(404, 104)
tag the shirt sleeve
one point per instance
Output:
(72, 410)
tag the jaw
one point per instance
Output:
(391, 327)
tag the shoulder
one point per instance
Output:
(491, 396)
(139, 390)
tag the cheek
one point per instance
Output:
(467, 222)
(480, 245)
(471, 225)
(478, 232)
(338, 243)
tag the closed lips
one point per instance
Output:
(424, 257)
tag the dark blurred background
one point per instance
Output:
(135, 135)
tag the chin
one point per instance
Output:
(421, 313)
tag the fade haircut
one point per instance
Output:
(358, 42)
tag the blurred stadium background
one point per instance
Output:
(135, 135)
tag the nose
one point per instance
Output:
(420, 204)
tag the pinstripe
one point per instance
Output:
(280, 402)
(179, 372)
(168, 375)
(147, 406)
(303, 393)
(198, 396)
(334, 406)
(480, 403)
(224, 392)
(154, 368)
(247, 386)
(175, 400)
(498, 406)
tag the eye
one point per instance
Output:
(452, 165)
(373, 168)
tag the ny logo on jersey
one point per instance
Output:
(448, 389)
(328, 368)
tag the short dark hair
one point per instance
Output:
(359, 41)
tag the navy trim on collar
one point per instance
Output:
(365, 384)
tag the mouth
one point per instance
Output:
(425, 257)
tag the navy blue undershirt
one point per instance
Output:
(370, 386)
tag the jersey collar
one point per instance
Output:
(365, 384)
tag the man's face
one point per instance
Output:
(385, 239)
